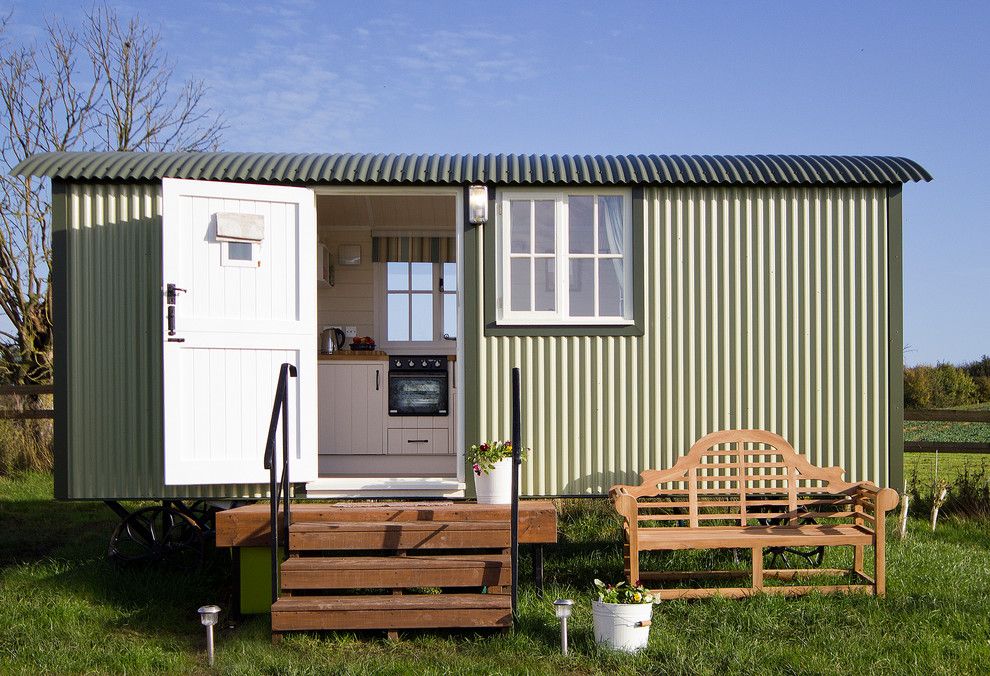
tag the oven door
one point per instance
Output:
(417, 394)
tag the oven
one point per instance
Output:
(417, 385)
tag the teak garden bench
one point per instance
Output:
(749, 489)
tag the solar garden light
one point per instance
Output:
(562, 607)
(208, 616)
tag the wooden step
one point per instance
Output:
(395, 572)
(420, 611)
(378, 535)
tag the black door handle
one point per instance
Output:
(171, 320)
(378, 373)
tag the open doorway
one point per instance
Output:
(389, 292)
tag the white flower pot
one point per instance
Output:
(495, 487)
(622, 626)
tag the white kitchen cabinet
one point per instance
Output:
(352, 407)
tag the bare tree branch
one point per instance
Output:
(106, 86)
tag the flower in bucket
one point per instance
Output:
(623, 592)
(484, 456)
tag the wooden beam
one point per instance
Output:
(42, 414)
(942, 415)
(10, 390)
(946, 447)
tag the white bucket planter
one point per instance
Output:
(622, 626)
(495, 487)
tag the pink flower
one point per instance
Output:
(477, 469)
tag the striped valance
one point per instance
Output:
(388, 248)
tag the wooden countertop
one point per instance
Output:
(344, 355)
(366, 355)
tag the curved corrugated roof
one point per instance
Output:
(369, 169)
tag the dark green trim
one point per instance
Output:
(639, 277)
(60, 324)
(895, 337)
(472, 340)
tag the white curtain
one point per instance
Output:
(610, 216)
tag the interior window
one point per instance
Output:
(420, 302)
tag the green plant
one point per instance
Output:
(622, 592)
(484, 456)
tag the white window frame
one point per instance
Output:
(438, 344)
(560, 316)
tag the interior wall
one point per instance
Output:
(350, 301)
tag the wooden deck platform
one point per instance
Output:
(248, 526)
(393, 565)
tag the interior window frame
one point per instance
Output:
(381, 293)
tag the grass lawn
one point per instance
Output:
(65, 608)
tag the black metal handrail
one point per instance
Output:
(279, 488)
(516, 463)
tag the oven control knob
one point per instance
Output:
(424, 363)
(411, 363)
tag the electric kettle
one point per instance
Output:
(331, 340)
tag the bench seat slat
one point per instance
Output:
(662, 539)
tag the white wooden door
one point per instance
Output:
(242, 308)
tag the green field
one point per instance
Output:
(65, 609)
(947, 466)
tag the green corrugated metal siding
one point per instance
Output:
(112, 414)
(367, 169)
(765, 308)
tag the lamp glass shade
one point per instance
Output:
(562, 607)
(478, 204)
(209, 615)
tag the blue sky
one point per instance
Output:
(905, 78)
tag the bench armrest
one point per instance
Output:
(626, 505)
(884, 499)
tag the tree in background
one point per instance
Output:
(938, 386)
(105, 85)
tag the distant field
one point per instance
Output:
(945, 465)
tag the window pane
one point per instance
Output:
(450, 315)
(519, 219)
(422, 276)
(610, 227)
(449, 276)
(239, 251)
(610, 280)
(519, 285)
(545, 226)
(398, 276)
(581, 223)
(398, 316)
(582, 287)
(422, 316)
(545, 284)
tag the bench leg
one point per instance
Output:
(858, 558)
(880, 556)
(632, 564)
(757, 567)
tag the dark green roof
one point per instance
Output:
(369, 169)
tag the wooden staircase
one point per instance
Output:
(392, 567)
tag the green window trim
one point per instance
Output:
(636, 328)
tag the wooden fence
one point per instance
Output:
(21, 413)
(941, 415)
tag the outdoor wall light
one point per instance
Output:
(208, 616)
(478, 204)
(562, 608)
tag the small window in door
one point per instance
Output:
(240, 254)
